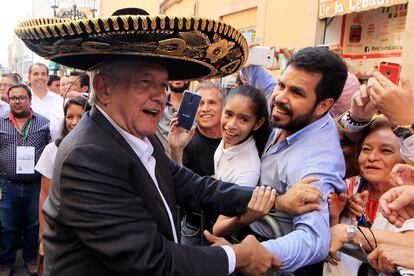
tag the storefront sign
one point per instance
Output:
(330, 8)
(375, 33)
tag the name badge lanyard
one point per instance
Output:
(22, 135)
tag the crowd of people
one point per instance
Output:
(276, 176)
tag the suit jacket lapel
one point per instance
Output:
(163, 175)
(161, 171)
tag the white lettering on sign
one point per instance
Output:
(339, 7)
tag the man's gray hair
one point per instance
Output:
(208, 85)
(115, 70)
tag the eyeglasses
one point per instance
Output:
(5, 85)
(18, 99)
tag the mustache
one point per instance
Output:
(282, 106)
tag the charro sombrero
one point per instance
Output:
(190, 47)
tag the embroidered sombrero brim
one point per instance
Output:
(190, 48)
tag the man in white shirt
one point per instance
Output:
(45, 102)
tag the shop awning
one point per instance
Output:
(331, 8)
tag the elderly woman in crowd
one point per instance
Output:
(378, 153)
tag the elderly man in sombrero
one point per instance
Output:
(111, 208)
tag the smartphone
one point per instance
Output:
(188, 109)
(390, 70)
(323, 46)
(260, 55)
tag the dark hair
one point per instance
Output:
(20, 85)
(38, 64)
(11, 76)
(260, 109)
(52, 78)
(83, 78)
(19, 78)
(331, 67)
(81, 101)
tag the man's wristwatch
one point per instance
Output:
(351, 232)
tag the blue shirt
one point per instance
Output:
(260, 78)
(312, 151)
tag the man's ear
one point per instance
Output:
(323, 107)
(84, 89)
(102, 88)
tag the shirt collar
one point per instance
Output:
(143, 148)
(321, 122)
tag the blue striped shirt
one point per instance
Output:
(38, 137)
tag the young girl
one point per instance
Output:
(245, 129)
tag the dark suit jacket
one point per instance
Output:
(105, 216)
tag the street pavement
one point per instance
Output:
(19, 268)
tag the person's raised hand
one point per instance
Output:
(395, 102)
(301, 198)
(403, 174)
(288, 52)
(336, 205)
(263, 199)
(178, 138)
(362, 108)
(356, 203)
(397, 204)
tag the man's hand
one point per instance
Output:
(300, 198)
(263, 199)
(178, 139)
(403, 174)
(251, 257)
(362, 108)
(387, 256)
(395, 102)
(356, 203)
(397, 204)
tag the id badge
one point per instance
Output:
(25, 160)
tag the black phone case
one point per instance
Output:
(188, 109)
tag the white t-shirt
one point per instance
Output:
(47, 160)
(239, 164)
(51, 107)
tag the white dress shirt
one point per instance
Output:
(51, 107)
(4, 107)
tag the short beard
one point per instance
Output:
(180, 89)
(295, 124)
(20, 115)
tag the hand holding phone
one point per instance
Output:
(188, 109)
(391, 70)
